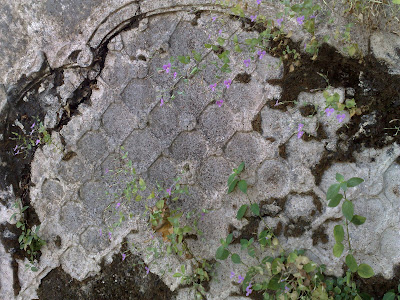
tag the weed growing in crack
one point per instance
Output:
(29, 240)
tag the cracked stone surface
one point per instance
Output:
(187, 136)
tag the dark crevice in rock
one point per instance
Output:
(282, 151)
(296, 228)
(256, 123)
(247, 232)
(243, 78)
(319, 236)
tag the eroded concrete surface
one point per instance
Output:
(191, 133)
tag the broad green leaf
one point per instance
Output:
(251, 251)
(333, 190)
(351, 263)
(352, 182)
(208, 45)
(343, 186)
(365, 271)
(338, 249)
(348, 209)
(350, 103)
(222, 253)
(237, 48)
(229, 238)
(221, 41)
(232, 186)
(19, 224)
(34, 269)
(241, 212)
(177, 275)
(236, 258)
(242, 184)
(358, 220)
(310, 267)
(338, 233)
(357, 298)
(255, 209)
(292, 257)
(273, 284)
(240, 168)
(352, 50)
(339, 177)
(160, 204)
(335, 200)
(235, 38)
(389, 296)
(231, 178)
(396, 2)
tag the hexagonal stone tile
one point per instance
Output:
(72, 218)
(162, 171)
(276, 124)
(273, 180)
(186, 38)
(213, 174)
(250, 148)
(76, 263)
(74, 170)
(92, 241)
(307, 154)
(246, 97)
(94, 198)
(138, 95)
(93, 146)
(52, 190)
(390, 243)
(189, 146)
(217, 124)
(143, 149)
(298, 206)
(118, 121)
(118, 70)
(164, 123)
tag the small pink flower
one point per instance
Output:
(300, 20)
(329, 111)
(300, 134)
(161, 102)
(232, 274)
(147, 270)
(341, 117)
(240, 280)
(300, 127)
(37, 142)
(247, 62)
(228, 83)
(214, 18)
(261, 53)
(15, 147)
(168, 191)
(219, 32)
(219, 102)
(167, 67)
(259, 2)
(253, 18)
(175, 74)
(279, 21)
(33, 125)
(213, 86)
(248, 290)
(118, 205)
(123, 256)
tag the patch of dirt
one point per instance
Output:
(243, 78)
(119, 280)
(319, 236)
(247, 232)
(256, 123)
(307, 110)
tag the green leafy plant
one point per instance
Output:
(29, 240)
(335, 198)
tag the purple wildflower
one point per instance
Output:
(232, 274)
(259, 2)
(287, 289)
(240, 280)
(202, 217)
(214, 18)
(101, 232)
(16, 152)
(209, 36)
(167, 67)
(248, 289)
(175, 74)
(300, 134)
(109, 235)
(279, 21)
(300, 127)
(161, 102)
(31, 131)
(37, 142)
(329, 111)
(118, 205)
(253, 18)
(147, 270)
(15, 147)
(123, 256)
(219, 102)
(312, 17)
(341, 117)
(261, 53)
(168, 191)
(276, 103)
(219, 32)
(300, 20)
(106, 171)
(247, 62)
(213, 86)
(33, 125)
(228, 83)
